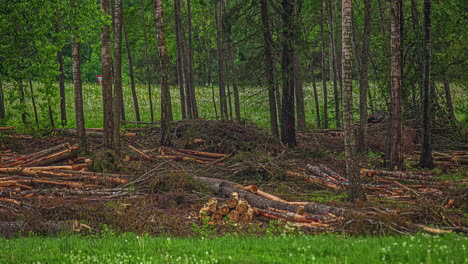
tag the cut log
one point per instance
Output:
(223, 209)
(312, 179)
(12, 201)
(232, 202)
(141, 153)
(247, 216)
(234, 216)
(242, 206)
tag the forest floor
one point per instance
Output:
(147, 190)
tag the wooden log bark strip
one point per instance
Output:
(332, 173)
(315, 170)
(270, 196)
(406, 175)
(12, 201)
(201, 154)
(59, 183)
(141, 153)
(316, 208)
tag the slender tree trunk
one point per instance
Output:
(299, 94)
(166, 112)
(234, 80)
(61, 77)
(77, 85)
(426, 145)
(2, 102)
(136, 106)
(220, 44)
(396, 126)
(316, 100)
(106, 57)
(22, 101)
(324, 69)
(448, 97)
(364, 79)
(288, 122)
(148, 70)
(355, 191)
(190, 62)
(118, 93)
(33, 100)
(180, 58)
(51, 113)
(335, 66)
(269, 62)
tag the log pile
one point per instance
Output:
(235, 209)
(308, 214)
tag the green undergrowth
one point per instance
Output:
(130, 248)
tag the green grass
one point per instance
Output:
(129, 248)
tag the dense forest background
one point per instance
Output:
(230, 55)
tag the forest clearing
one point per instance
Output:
(179, 131)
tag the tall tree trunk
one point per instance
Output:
(77, 85)
(106, 57)
(288, 122)
(396, 126)
(335, 66)
(180, 58)
(269, 64)
(355, 191)
(2, 102)
(324, 69)
(136, 106)
(22, 101)
(118, 93)
(299, 94)
(448, 97)
(220, 44)
(190, 62)
(61, 77)
(426, 145)
(364, 79)
(234, 79)
(166, 112)
(148, 70)
(51, 113)
(33, 100)
(316, 100)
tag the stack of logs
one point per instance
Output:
(306, 214)
(27, 172)
(235, 209)
(451, 158)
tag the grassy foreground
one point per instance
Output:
(130, 248)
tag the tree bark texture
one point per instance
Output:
(118, 93)
(426, 145)
(136, 106)
(106, 60)
(148, 70)
(219, 7)
(77, 85)
(190, 62)
(355, 190)
(2, 101)
(396, 126)
(166, 117)
(269, 62)
(316, 100)
(180, 58)
(334, 66)
(324, 68)
(288, 122)
(364, 79)
(299, 94)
